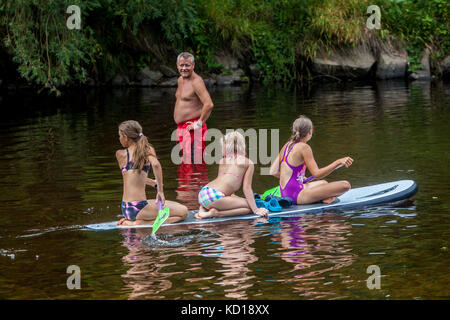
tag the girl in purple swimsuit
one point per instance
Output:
(292, 161)
(134, 163)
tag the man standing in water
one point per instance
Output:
(192, 108)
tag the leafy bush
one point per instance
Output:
(46, 53)
(280, 36)
(420, 23)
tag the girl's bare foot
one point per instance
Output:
(125, 222)
(329, 200)
(206, 214)
(201, 211)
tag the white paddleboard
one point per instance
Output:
(358, 197)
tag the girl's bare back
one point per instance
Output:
(230, 175)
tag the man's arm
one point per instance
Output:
(203, 94)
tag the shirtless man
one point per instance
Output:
(192, 108)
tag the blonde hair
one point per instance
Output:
(300, 128)
(234, 143)
(133, 130)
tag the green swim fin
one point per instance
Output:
(274, 192)
(163, 214)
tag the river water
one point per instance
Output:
(58, 173)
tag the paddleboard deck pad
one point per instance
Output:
(354, 198)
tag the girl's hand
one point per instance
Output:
(151, 182)
(346, 161)
(160, 196)
(262, 212)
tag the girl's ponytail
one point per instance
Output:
(142, 152)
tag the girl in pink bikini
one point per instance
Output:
(217, 198)
(292, 161)
(135, 162)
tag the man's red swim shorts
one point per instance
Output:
(192, 142)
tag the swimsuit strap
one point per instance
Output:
(125, 167)
(286, 156)
(290, 149)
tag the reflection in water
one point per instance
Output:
(311, 253)
(191, 178)
(144, 277)
(223, 257)
(236, 254)
(314, 245)
(147, 257)
(230, 245)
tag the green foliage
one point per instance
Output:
(280, 36)
(282, 33)
(118, 24)
(270, 30)
(51, 55)
(46, 53)
(338, 21)
(420, 23)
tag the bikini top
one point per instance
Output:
(129, 165)
(233, 174)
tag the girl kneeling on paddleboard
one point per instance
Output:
(217, 198)
(296, 155)
(134, 162)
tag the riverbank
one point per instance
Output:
(290, 42)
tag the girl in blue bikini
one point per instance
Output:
(292, 161)
(134, 162)
(217, 198)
